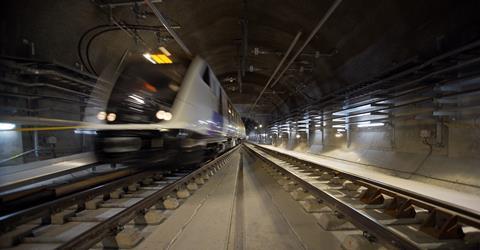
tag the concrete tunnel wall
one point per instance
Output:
(399, 151)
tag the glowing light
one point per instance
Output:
(378, 124)
(297, 136)
(260, 126)
(256, 127)
(338, 135)
(363, 114)
(6, 126)
(85, 132)
(111, 117)
(149, 87)
(338, 126)
(157, 58)
(165, 51)
(149, 58)
(160, 114)
(168, 116)
(161, 59)
(101, 115)
(340, 130)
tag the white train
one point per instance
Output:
(164, 112)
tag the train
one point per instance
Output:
(157, 113)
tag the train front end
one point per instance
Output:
(140, 103)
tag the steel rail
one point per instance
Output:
(362, 220)
(11, 220)
(89, 238)
(466, 215)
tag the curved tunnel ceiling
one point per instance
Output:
(356, 43)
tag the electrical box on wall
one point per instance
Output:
(425, 133)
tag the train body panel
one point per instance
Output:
(200, 120)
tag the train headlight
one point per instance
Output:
(111, 117)
(101, 115)
(168, 116)
(160, 115)
(164, 115)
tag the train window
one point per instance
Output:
(206, 76)
(142, 89)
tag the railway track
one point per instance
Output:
(377, 216)
(105, 213)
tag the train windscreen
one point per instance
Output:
(143, 89)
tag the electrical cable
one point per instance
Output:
(85, 59)
(424, 141)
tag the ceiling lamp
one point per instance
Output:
(6, 126)
(158, 58)
(164, 51)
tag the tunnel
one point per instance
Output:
(239, 124)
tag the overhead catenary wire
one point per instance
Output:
(310, 37)
(289, 50)
(168, 27)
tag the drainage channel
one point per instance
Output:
(373, 217)
(109, 216)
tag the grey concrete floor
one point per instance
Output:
(240, 207)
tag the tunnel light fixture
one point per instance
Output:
(297, 136)
(161, 59)
(338, 135)
(362, 114)
(367, 125)
(111, 117)
(157, 58)
(346, 111)
(260, 126)
(340, 130)
(164, 51)
(149, 58)
(338, 126)
(7, 126)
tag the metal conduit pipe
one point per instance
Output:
(406, 104)
(168, 27)
(39, 72)
(393, 88)
(289, 50)
(310, 37)
(44, 85)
